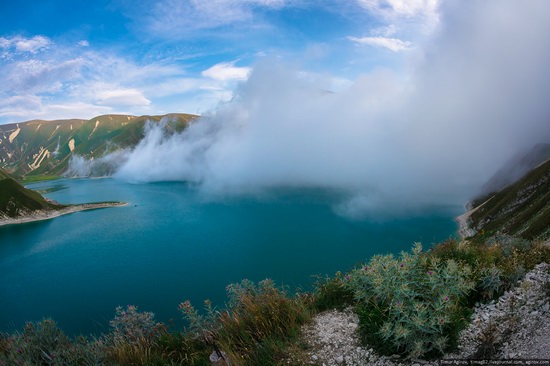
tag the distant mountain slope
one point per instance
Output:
(517, 167)
(16, 200)
(521, 209)
(44, 147)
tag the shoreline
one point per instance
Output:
(42, 215)
(464, 229)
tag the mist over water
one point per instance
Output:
(470, 97)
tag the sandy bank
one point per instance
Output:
(464, 229)
(50, 214)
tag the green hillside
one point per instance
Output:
(520, 209)
(16, 200)
(39, 147)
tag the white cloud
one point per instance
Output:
(431, 136)
(22, 44)
(180, 18)
(84, 43)
(23, 102)
(413, 17)
(173, 86)
(402, 8)
(392, 44)
(227, 71)
(413, 20)
(53, 82)
(21, 108)
(35, 76)
(4, 42)
(122, 98)
(32, 45)
(386, 31)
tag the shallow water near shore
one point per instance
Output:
(169, 244)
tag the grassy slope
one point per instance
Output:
(16, 200)
(521, 209)
(25, 155)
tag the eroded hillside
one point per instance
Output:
(41, 147)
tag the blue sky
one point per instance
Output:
(63, 59)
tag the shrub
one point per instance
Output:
(490, 282)
(417, 299)
(203, 328)
(131, 326)
(332, 293)
(43, 343)
(497, 263)
(132, 339)
(259, 319)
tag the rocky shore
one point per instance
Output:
(40, 215)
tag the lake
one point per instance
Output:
(171, 244)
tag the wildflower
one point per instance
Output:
(401, 265)
(446, 298)
(366, 268)
(347, 277)
(430, 273)
(185, 306)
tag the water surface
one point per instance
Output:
(170, 244)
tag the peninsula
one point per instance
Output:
(19, 204)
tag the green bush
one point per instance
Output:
(417, 298)
(490, 283)
(496, 263)
(332, 293)
(131, 326)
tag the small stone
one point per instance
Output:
(314, 357)
(339, 359)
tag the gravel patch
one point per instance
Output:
(333, 339)
(516, 326)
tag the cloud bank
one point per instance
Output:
(475, 94)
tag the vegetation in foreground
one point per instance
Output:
(413, 305)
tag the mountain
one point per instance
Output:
(17, 201)
(38, 147)
(517, 167)
(521, 208)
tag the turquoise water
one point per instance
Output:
(170, 244)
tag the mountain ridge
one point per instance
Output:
(44, 147)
